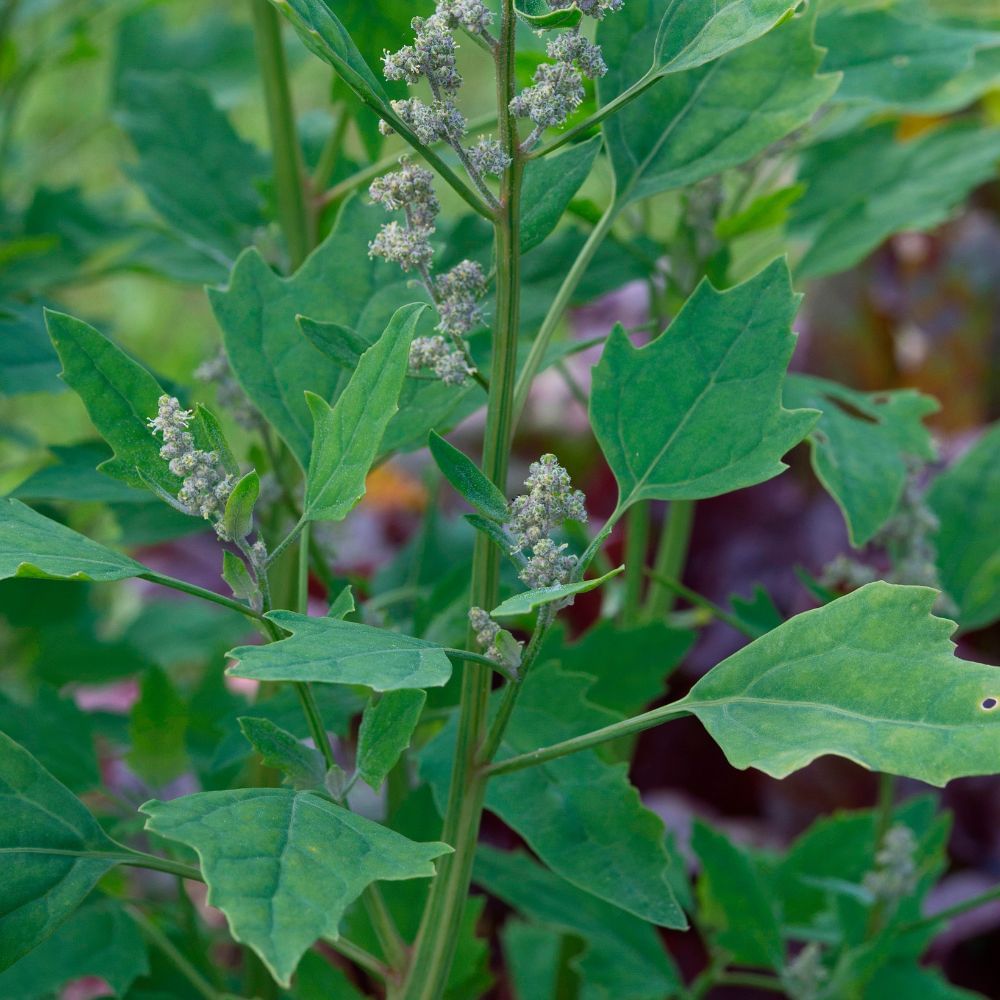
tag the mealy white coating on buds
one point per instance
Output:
(489, 158)
(440, 119)
(550, 500)
(805, 974)
(596, 9)
(572, 47)
(409, 189)
(895, 875)
(406, 247)
(457, 294)
(473, 15)
(486, 628)
(547, 566)
(441, 357)
(431, 56)
(206, 485)
(557, 91)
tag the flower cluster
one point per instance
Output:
(496, 643)
(805, 975)
(895, 875)
(207, 485)
(535, 515)
(448, 364)
(230, 395)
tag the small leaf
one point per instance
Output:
(467, 478)
(237, 576)
(386, 730)
(342, 605)
(74, 476)
(765, 212)
(237, 520)
(35, 546)
(491, 529)
(283, 866)
(331, 651)
(871, 677)
(526, 602)
(304, 768)
(338, 342)
(157, 729)
(537, 15)
(698, 412)
(347, 436)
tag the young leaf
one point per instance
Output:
(331, 651)
(467, 478)
(539, 17)
(237, 576)
(966, 499)
(283, 866)
(338, 342)
(860, 444)
(35, 546)
(237, 520)
(347, 436)
(698, 411)
(53, 852)
(157, 729)
(871, 676)
(579, 814)
(527, 601)
(386, 729)
(303, 767)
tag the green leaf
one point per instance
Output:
(467, 478)
(54, 852)
(527, 601)
(910, 980)
(533, 957)
(865, 186)
(213, 197)
(698, 412)
(331, 651)
(283, 866)
(74, 476)
(303, 767)
(966, 498)
(765, 212)
(734, 902)
(237, 520)
(871, 676)
(579, 814)
(860, 444)
(549, 186)
(623, 956)
(758, 612)
(386, 730)
(692, 125)
(99, 940)
(347, 436)
(338, 342)
(35, 546)
(27, 361)
(237, 576)
(537, 15)
(157, 729)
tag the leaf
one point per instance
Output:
(860, 444)
(865, 186)
(157, 729)
(758, 612)
(214, 197)
(765, 212)
(468, 479)
(303, 767)
(697, 412)
(54, 852)
(623, 956)
(533, 957)
(579, 814)
(386, 730)
(734, 902)
(549, 185)
(537, 15)
(527, 601)
(237, 576)
(871, 676)
(35, 546)
(910, 980)
(692, 125)
(339, 343)
(100, 940)
(74, 476)
(27, 361)
(347, 436)
(966, 498)
(331, 651)
(283, 866)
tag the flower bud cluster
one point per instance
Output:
(496, 643)
(207, 485)
(805, 975)
(895, 875)
(448, 363)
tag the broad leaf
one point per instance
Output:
(909, 979)
(623, 956)
(527, 601)
(157, 729)
(303, 767)
(27, 361)
(348, 435)
(966, 499)
(871, 676)
(52, 851)
(865, 186)
(537, 14)
(549, 185)
(579, 814)
(468, 479)
(36, 546)
(331, 651)
(698, 411)
(386, 730)
(691, 125)
(533, 959)
(860, 446)
(74, 476)
(283, 866)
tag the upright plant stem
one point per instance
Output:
(671, 555)
(435, 945)
(636, 544)
(289, 175)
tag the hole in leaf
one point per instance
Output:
(989, 704)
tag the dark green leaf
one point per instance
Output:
(527, 601)
(533, 956)
(339, 343)
(74, 476)
(27, 361)
(698, 411)
(157, 730)
(386, 730)
(238, 517)
(910, 980)
(758, 612)
(303, 767)
(467, 478)
(269, 856)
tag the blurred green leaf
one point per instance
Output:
(303, 767)
(75, 476)
(157, 730)
(386, 730)
(27, 361)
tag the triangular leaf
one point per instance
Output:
(303, 767)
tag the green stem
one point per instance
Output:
(205, 595)
(436, 940)
(671, 555)
(289, 174)
(393, 946)
(289, 539)
(636, 546)
(359, 956)
(972, 903)
(159, 940)
(139, 859)
(330, 152)
(700, 601)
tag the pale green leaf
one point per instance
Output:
(537, 14)
(468, 479)
(331, 651)
(283, 866)
(871, 677)
(237, 576)
(527, 601)
(237, 520)
(860, 445)
(386, 730)
(966, 499)
(304, 767)
(698, 412)
(348, 435)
